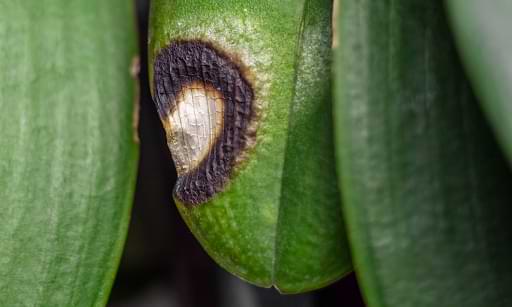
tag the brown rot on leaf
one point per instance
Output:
(205, 103)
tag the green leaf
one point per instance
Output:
(67, 150)
(482, 29)
(426, 189)
(275, 219)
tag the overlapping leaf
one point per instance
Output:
(278, 220)
(485, 40)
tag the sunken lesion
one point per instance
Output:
(194, 125)
(206, 106)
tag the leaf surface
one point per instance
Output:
(67, 150)
(426, 189)
(277, 221)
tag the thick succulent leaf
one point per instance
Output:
(276, 219)
(426, 189)
(67, 150)
(482, 30)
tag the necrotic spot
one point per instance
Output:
(205, 104)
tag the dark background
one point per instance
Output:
(163, 265)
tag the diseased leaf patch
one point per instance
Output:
(206, 106)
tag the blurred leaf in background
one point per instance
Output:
(426, 188)
(483, 31)
(67, 150)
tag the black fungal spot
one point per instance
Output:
(182, 63)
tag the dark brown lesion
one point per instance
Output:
(185, 62)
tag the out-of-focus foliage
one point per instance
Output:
(67, 150)
(426, 189)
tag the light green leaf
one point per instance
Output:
(426, 189)
(67, 151)
(275, 220)
(483, 32)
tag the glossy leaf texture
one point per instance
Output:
(426, 189)
(483, 34)
(67, 152)
(277, 221)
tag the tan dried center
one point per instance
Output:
(194, 125)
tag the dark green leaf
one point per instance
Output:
(426, 189)
(67, 151)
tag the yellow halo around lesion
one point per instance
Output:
(194, 125)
